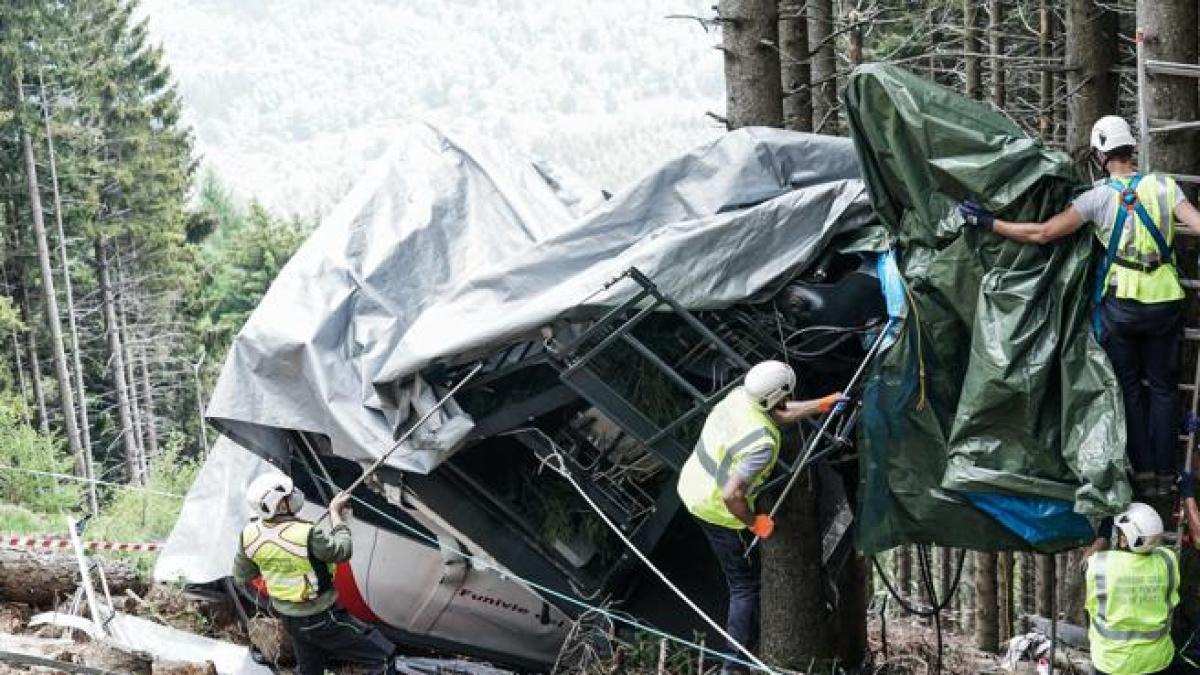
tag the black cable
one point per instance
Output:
(924, 565)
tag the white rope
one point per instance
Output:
(79, 479)
(561, 469)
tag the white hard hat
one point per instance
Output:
(769, 382)
(273, 494)
(1141, 526)
(1111, 132)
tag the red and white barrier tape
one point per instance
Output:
(54, 541)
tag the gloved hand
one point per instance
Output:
(763, 526)
(1191, 424)
(827, 403)
(1187, 485)
(975, 215)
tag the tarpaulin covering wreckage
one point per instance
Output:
(992, 421)
(1021, 417)
(446, 255)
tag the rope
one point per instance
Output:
(480, 563)
(96, 481)
(561, 469)
(916, 324)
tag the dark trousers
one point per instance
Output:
(1143, 343)
(742, 578)
(334, 635)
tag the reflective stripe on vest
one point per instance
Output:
(734, 428)
(280, 550)
(720, 472)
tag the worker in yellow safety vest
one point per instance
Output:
(1138, 300)
(1132, 592)
(296, 562)
(737, 449)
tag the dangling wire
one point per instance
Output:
(925, 578)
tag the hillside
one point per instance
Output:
(289, 99)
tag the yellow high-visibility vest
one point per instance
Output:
(734, 427)
(1130, 599)
(1138, 271)
(281, 552)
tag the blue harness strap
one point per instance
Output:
(1129, 201)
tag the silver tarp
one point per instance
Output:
(445, 251)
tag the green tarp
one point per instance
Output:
(996, 385)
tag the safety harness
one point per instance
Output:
(1129, 204)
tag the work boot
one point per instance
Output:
(1166, 485)
(1144, 485)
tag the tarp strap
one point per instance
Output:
(1131, 202)
(1110, 255)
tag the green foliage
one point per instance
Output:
(25, 450)
(240, 260)
(135, 515)
(20, 520)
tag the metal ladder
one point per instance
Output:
(1148, 126)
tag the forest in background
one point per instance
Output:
(124, 272)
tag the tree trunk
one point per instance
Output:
(1028, 585)
(85, 433)
(753, 82)
(987, 624)
(1045, 585)
(902, 573)
(1004, 595)
(854, 54)
(20, 364)
(35, 372)
(1169, 34)
(919, 573)
(135, 407)
(796, 66)
(946, 585)
(117, 364)
(853, 598)
(967, 594)
(66, 391)
(973, 81)
(1046, 93)
(21, 292)
(795, 625)
(1091, 52)
(824, 66)
(996, 50)
(149, 419)
(1073, 583)
(42, 579)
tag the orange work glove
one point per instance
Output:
(763, 526)
(826, 403)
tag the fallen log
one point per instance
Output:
(41, 579)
